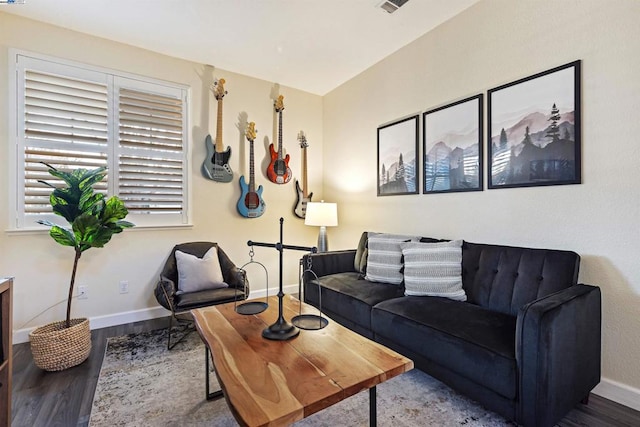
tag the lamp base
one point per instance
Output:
(323, 245)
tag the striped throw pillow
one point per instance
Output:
(384, 257)
(433, 269)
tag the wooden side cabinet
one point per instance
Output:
(6, 332)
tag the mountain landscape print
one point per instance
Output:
(397, 150)
(452, 147)
(534, 129)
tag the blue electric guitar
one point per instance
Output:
(216, 164)
(250, 204)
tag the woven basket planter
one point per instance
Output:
(56, 348)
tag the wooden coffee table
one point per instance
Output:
(275, 383)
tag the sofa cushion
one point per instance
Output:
(433, 269)
(384, 259)
(505, 278)
(350, 296)
(472, 341)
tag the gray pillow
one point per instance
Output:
(360, 260)
(433, 269)
(198, 274)
(384, 257)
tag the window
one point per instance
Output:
(72, 116)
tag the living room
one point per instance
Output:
(491, 43)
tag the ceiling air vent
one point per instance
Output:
(391, 6)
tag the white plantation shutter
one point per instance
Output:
(151, 152)
(69, 116)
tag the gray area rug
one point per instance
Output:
(141, 383)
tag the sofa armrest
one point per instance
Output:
(558, 353)
(326, 263)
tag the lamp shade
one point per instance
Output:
(321, 214)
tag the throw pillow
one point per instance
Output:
(433, 269)
(384, 257)
(360, 260)
(198, 274)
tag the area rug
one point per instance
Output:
(141, 383)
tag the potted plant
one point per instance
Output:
(94, 219)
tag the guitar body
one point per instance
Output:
(216, 165)
(278, 170)
(250, 204)
(300, 210)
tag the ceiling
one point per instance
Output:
(312, 45)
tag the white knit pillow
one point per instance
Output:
(433, 269)
(198, 274)
(384, 257)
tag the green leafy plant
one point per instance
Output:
(94, 219)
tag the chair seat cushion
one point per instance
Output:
(470, 340)
(350, 296)
(191, 300)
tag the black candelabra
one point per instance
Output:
(281, 330)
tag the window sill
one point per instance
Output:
(43, 230)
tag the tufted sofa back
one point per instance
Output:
(504, 278)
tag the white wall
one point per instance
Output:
(42, 268)
(492, 43)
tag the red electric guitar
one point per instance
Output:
(278, 170)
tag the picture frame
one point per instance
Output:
(397, 172)
(534, 128)
(452, 147)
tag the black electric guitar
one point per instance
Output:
(216, 164)
(278, 170)
(303, 195)
(250, 203)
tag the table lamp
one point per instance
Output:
(322, 215)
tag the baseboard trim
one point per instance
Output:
(619, 393)
(99, 322)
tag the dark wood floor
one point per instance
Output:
(64, 398)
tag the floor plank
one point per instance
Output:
(52, 399)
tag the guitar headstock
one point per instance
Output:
(251, 131)
(303, 139)
(218, 89)
(279, 104)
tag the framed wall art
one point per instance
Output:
(534, 130)
(397, 157)
(452, 147)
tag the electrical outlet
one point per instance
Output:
(83, 292)
(124, 286)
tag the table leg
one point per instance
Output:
(373, 416)
(216, 394)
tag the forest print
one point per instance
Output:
(533, 130)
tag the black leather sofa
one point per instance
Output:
(526, 343)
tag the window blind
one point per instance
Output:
(71, 116)
(150, 152)
(64, 125)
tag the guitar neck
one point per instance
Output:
(280, 135)
(252, 181)
(219, 146)
(304, 173)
